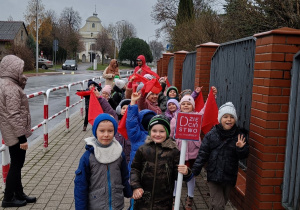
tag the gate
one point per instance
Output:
(291, 178)
(170, 69)
(188, 71)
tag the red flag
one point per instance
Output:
(149, 71)
(122, 126)
(168, 83)
(83, 93)
(199, 103)
(153, 85)
(94, 108)
(134, 87)
(210, 116)
(139, 78)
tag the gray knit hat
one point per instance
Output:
(227, 108)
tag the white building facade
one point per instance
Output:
(89, 33)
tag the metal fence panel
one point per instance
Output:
(188, 71)
(232, 70)
(291, 178)
(170, 69)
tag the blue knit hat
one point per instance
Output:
(102, 117)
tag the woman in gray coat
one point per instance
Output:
(15, 127)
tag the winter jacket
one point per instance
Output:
(136, 133)
(162, 99)
(221, 156)
(15, 119)
(144, 103)
(107, 108)
(101, 185)
(110, 72)
(154, 169)
(144, 66)
(116, 97)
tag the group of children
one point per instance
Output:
(145, 166)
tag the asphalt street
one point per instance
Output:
(57, 99)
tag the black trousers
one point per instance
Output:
(13, 180)
(85, 123)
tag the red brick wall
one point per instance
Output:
(165, 62)
(179, 57)
(159, 67)
(269, 114)
(203, 61)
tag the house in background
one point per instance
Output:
(89, 33)
(11, 32)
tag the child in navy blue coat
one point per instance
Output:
(102, 176)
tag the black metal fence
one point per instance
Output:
(291, 178)
(232, 70)
(170, 69)
(188, 71)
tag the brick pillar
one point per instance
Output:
(179, 57)
(203, 61)
(165, 62)
(269, 115)
(159, 67)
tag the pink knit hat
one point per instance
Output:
(188, 98)
(107, 89)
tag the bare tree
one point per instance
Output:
(68, 31)
(156, 49)
(121, 31)
(104, 43)
(70, 18)
(34, 8)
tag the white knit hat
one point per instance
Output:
(119, 83)
(227, 108)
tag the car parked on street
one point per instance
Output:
(44, 63)
(69, 64)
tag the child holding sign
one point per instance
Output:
(222, 148)
(154, 168)
(187, 105)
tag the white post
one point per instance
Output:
(37, 39)
(95, 64)
(180, 175)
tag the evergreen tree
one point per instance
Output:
(132, 48)
(185, 11)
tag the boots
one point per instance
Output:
(23, 196)
(12, 202)
(188, 203)
(84, 128)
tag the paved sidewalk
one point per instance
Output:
(50, 176)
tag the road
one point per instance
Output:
(57, 99)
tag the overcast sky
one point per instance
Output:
(136, 12)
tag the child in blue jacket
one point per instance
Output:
(101, 180)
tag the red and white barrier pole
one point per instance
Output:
(46, 114)
(5, 162)
(67, 108)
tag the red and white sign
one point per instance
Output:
(188, 126)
